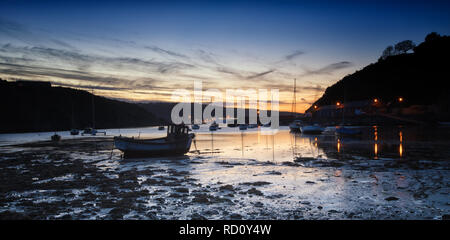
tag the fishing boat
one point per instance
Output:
(177, 142)
(243, 127)
(161, 128)
(252, 125)
(89, 131)
(195, 127)
(312, 129)
(56, 138)
(74, 132)
(295, 126)
(214, 126)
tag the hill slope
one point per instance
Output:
(420, 78)
(35, 107)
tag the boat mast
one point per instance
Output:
(72, 119)
(294, 100)
(93, 110)
(343, 107)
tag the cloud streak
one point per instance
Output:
(85, 61)
(32, 71)
(260, 74)
(293, 55)
(328, 69)
(166, 52)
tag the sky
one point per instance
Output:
(142, 51)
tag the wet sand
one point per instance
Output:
(85, 178)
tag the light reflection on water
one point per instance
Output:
(376, 142)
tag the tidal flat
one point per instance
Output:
(231, 175)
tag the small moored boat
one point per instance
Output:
(161, 128)
(214, 126)
(74, 132)
(56, 138)
(195, 127)
(177, 142)
(89, 131)
(312, 129)
(243, 127)
(295, 126)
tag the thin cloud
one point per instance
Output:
(164, 51)
(207, 57)
(90, 87)
(85, 61)
(17, 31)
(312, 88)
(63, 44)
(328, 69)
(229, 71)
(260, 74)
(32, 71)
(290, 87)
(293, 55)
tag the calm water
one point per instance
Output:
(388, 143)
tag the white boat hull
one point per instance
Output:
(152, 147)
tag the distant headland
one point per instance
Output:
(31, 106)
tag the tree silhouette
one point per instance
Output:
(404, 46)
(389, 51)
(432, 36)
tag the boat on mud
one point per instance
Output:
(89, 131)
(214, 126)
(177, 142)
(56, 138)
(243, 126)
(195, 127)
(295, 126)
(74, 132)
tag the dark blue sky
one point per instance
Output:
(236, 38)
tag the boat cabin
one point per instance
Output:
(177, 131)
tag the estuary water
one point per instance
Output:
(386, 173)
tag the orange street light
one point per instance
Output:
(400, 99)
(338, 104)
(315, 106)
(375, 100)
